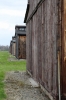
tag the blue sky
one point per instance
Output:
(12, 12)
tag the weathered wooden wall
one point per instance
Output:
(41, 43)
(14, 48)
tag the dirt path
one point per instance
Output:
(18, 87)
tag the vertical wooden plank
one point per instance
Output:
(49, 43)
(55, 31)
(27, 47)
(39, 45)
(64, 51)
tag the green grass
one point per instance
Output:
(7, 65)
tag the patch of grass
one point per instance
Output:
(2, 93)
(6, 65)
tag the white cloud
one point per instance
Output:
(11, 29)
(4, 25)
(11, 12)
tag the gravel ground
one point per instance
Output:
(18, 87)
(13, 58)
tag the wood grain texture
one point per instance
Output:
(41, 42)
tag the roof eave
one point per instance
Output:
(26, 15)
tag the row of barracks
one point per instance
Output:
(18, 42)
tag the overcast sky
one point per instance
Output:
(12, 12)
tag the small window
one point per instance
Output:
(23, 29)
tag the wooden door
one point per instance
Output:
(22, 47)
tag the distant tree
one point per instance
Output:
(4, 48)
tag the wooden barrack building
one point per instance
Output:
(13, 46)
(46, 45)
(10, 48)
(20, 33)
